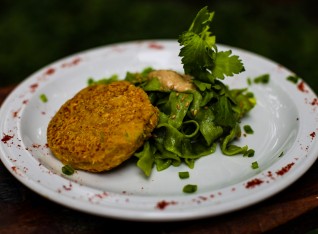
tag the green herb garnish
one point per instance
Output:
(255, 165)
(249, 81)
(264, 79)
(294, 79)
(43, 98)
(190, 188)
(184, 174)
(248, 129)
(199, 54)
(68, 170)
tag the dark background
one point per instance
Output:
(34, 33)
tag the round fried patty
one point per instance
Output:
(101, 126)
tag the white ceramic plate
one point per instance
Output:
(285, 120)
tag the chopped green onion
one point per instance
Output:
(190, 188)
(281, 154)
(68, 170)
(248, 129)
(184, 174)
(293, 79)
(254, 165)
(249, 81)
(90, 81)
(264, 79)
(43, 98)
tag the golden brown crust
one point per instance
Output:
(102, 126)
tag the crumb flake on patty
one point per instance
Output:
(102, 126)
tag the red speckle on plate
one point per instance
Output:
(285, 169)
(33, 87)
(155, 46)
(163, 204)
(101, 195)
(68, 188)
(15, 169)
(301, 87)
(203, 198)
(314, 102)
(36, 145)
(74, 62)
(15, 113)
(97, 197)
(6, 138)
(270, 175)
(50, 71)
(253, 183)
(313, 134)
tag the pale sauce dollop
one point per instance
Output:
(171, 80)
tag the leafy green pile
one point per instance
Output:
(191, 123)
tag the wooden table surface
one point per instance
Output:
(294, 210)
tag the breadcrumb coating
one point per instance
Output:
(102, 126)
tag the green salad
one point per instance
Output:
(193, 121)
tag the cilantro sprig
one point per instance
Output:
(199, 54)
